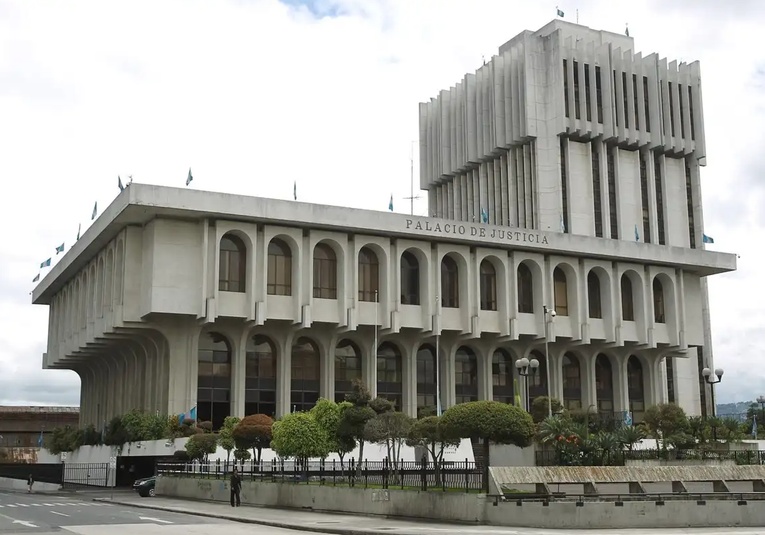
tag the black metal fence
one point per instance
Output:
(462, 476)
(86, 474)
(44, 473)
(618, 458)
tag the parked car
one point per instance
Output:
(145, 486)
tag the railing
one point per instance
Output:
(86, 474)
(618, 499)
(462, 476)
(618, 458)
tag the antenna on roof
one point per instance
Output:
(577, 16)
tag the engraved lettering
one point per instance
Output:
(437, 228)
(427, 226)
(482, 233)
(544, 239)
(462, 229)
(418, 226)
(447, 227)
(473, 231)
(408, 223)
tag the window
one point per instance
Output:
(260, 377)
(689, 197)
(233, 264)
(389, 373)
(572, 382)
(488, 286)
(670, 380)
(645, 105)
(502, 377)
(347, 368)
(625, 100)
(214, 379)
(369, 275)
(659, 197)
(304, 383)
(680, 101)
(563, 186)
(576, 90)
(410, 279)
(628, 309)
(588, 95)
(465, 375)
(525, 290)
(635, 101)
(565, 86)
(604, 384)
(426, 377)
(593, 295)
(599, 95)
(644, 197)
(560, 290)
(450, 285)
(611, 167)
(597, 205)
(690, 110)
(658, 301)
(635, 387)
(279, 268)
(671, 109)
(324, 272)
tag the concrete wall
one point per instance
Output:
(474, 508)
(21, 484)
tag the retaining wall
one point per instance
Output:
(475, 508)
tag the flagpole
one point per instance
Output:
(438, 366)
(376, 307)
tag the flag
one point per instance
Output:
(119, 184)
(562, 224)
(560, 13)
(390, 204)
(627, 31)
(193, 414)
(294, 189)
(637, 234)
(60, 249)
(40, 440)
(95, 211)
(707, 239)
(484, 216)
(754, 426)
(37, 278)
(79, 227)
(189, 178)
(45, 264)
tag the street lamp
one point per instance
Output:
(549, 313)
(761, 401)
(706, 373)
(527, 368)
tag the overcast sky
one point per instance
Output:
(253, 94)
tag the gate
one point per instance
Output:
(86, 474)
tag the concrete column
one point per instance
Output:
(327, 367)
(589, 383)
(409, 379)
(369, 365)
(283, 374)
(448, 386)
(238, 375)
(150, 379)
(621, 392)
(485, 378)
(182, 350)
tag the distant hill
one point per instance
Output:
(737, 410)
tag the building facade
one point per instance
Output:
(22, 427)
(237, 305)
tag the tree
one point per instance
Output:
(201, 445)
(566, 437)
(226, 435)
(664, 422)
(540, 408)
(428, 433)
(140, 425)
(629, 435)
(391, 429)
(254, 432)
(328, 415)
(354, 418)
(63, 439)
(490, 421)
(299, 435)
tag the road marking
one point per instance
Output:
(36, 505)
(57, 513)
(11, 505)
(22, 505)
(154, 519)
(25, 523)
(49, 505)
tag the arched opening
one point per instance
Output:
(369, 275)
(636, 389)
(324, 272)
(465, 375)
(594, 301)
(572, 382)
(108, 279)
(628, 305)
(426, 378)
(604, 385)
(450, 283)
(304, 384)
(410, 279)
(658, 301)
(502, 377)
(389, 373)
(560, 291)
(214, 379)
(347, 368)
(233, 264)
(99, 301)
(488, 286)
(119, 267)
(525, 289)
(279, 272)
(260, 376)
(537, 382)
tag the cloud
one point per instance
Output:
(255, 94)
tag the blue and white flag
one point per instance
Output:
(637, 234)
(95, 211)
(45, 264)
(707, 239)
(37, 278)
(40, 440)
(294, 190)
(390, 204)
(484, 216)
(119, 184)
(560, 12)
(193, 414)
(60, 249)
(562, 224)
(79, 228)
(189, 178)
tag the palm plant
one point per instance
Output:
(630, 435)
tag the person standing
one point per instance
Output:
(30, 482)
(236, 488)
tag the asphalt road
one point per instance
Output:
(43, 514)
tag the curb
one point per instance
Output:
(269, 523)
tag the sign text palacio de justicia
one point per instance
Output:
(477, 231)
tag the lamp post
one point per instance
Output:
(549, 316)
(706, 373)
(527, 368)
(761, 401)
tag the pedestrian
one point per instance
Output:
(30, 482)
(236, 488)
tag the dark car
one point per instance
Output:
(145, 486)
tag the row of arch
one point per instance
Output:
(215, 376)
(233, 276)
